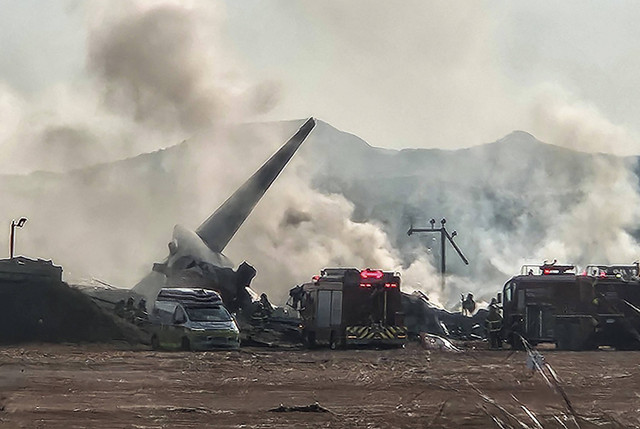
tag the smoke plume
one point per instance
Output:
(155, 78)
(161, 73)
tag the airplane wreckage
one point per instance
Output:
(196, 260)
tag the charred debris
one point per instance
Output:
(341, 307)
(39, 306)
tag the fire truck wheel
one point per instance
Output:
(309, 339)
(185, 345)
(573, 337)
(629, 345)
(565, 337)
(334, 342)
(515, 342)
(155, 344)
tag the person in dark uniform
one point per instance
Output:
(268, 308)
(141, 312)
(130, 311)
(468, 305)
(493, 325)
(119, 308)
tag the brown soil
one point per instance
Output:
(99, 386)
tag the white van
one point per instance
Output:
(192, 319)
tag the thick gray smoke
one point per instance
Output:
(154, 81)
(159, 74)
(515, 201)
(600, 224)
(154, 71)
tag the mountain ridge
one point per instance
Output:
(506, 199)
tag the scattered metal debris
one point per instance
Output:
(313, 408)
(549, 376)
(435, 342)
(529, 413)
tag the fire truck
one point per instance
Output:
(350, 307)
(616, 302)
(529, 302)
(552, 304)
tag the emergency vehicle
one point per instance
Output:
(551, 303)
(529, 302)
(615, 302)
(192, 319)
(346, 306)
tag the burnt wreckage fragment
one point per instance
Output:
(195, 257)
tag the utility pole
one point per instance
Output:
(444, 234)
(12, 241)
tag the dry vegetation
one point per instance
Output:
(98, 386)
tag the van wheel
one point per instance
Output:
(309, 339)
(515, 342)
(186, 345)
(333, 341)
(155, 343)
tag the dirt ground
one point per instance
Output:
(107, 386)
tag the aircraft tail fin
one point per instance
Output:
(222, 225)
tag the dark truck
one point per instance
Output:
(552, 304)
(616, 302)
(529, 302)
(346, 306)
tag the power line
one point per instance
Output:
(444, 234)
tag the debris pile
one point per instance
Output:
(313, 408)
(434, 342)
(38, 306)
(421, 316)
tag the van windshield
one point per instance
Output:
(208, 314)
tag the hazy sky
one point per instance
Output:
(396, 73)
(89, 81)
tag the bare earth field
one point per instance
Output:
(106, 386)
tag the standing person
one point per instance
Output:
(119, 308)
(468, 305)
(493, 325)
(130, 311)
(141, 312)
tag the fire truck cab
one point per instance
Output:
(530, 302)
(551, 303)
(347, 306)
(616, 301)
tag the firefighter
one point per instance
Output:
(141, 312)
(119, 308)
(268, 308)
(468, 304)
(297, 294)
(493, 325)
(130, 311)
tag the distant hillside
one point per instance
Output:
(501, 197)
(510, 200)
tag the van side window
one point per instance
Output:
(164, 311)
(166, 306)
(179, 314)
